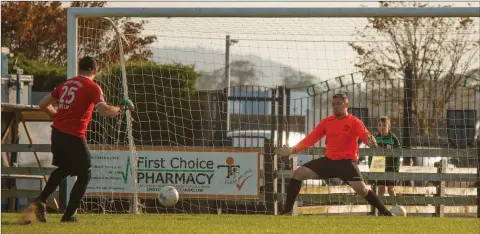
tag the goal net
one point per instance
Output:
(215, 95)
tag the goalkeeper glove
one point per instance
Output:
(372, 142)
(127, 104)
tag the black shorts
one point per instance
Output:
(70, 152)
(346, 170)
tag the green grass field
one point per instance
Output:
(113, 224)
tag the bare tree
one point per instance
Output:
(441, 51)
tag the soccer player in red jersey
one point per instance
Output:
(77, 98)
(342, 132)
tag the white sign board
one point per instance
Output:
(195, 174)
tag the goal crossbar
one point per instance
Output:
(278, 12)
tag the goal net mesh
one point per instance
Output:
(218, 154)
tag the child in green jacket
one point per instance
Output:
(386, 139)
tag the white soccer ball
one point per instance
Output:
(399, 211)
(168, 196)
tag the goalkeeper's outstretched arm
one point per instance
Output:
(312, 138)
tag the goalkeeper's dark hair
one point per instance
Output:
(341, 96)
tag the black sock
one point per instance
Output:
(292, 191)
(56, 178)
(77, 193)
(373, 200)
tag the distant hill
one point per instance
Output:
(211, 63)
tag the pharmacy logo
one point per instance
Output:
(231, 167)
(233, 176)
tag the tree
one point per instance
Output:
(39, 31)
(293, 79)
(441, 52)
(242, 72)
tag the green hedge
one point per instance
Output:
(46, 75)
(165, 108)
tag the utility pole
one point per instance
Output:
(228, 42)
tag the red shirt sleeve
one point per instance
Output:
(361, 131)
(97, 97)
(312, 138)
(56, 92)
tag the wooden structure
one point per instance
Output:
(13, 117)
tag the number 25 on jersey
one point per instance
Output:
(68, 96)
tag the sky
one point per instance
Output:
(314, 46)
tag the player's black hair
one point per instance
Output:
(87, 64)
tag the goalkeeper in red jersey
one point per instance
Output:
(342, 132)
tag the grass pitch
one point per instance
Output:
(175, 223)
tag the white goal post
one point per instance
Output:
(156, 95)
